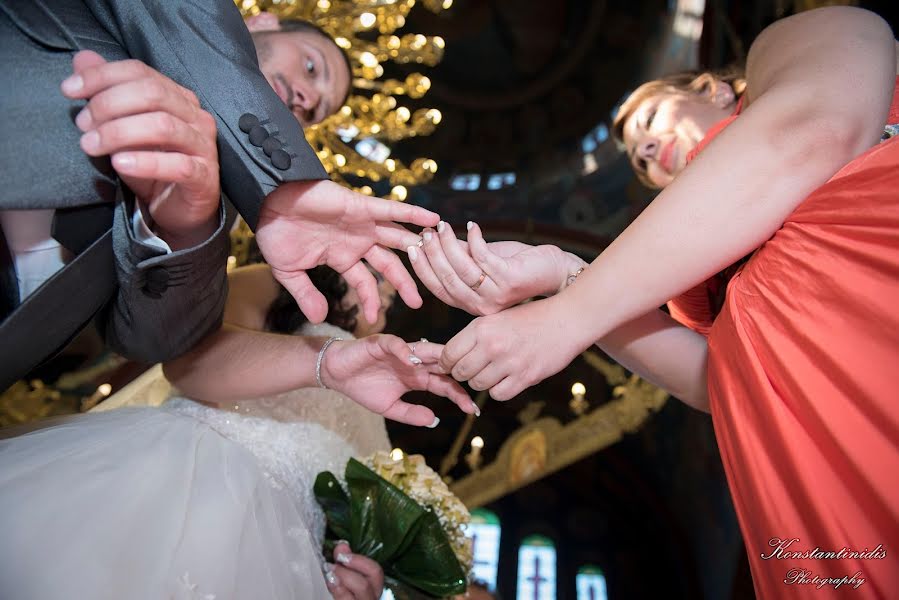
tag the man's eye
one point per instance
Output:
(649, 119)
(310, 66)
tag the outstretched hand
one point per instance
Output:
(483, 278)
(306, 224)
(375, 371)
(162, 144)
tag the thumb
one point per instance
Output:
(86, 59)
(309, 299)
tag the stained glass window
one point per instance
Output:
(536, 569)
(485, 532)
(590, 583)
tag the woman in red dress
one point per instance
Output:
(795, 349)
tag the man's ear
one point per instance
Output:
(724, 94)
(264, 21)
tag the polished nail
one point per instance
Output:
(84, 120)
(427, 236)
(332, 579)
(73, 84)
(469, 225)
(124, 162)
(477, 410)
(414, 359)
(338, 542)
(412, 251)
(441, 226)
(90, 141)
(435, 423)
(343, 558)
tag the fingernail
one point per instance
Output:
(90, 141)
(440, 226)
(412, 251)
(84, 120)
(427, 236)
(332, 579)
(469, 225)
(477, 410)
(73, 84)
(123, 161)
(414, 359)
(344, 559)
(338, 542)
(435, 423)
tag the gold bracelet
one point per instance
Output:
(573, 277)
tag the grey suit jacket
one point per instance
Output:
(163, 303)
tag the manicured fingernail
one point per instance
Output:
(477, 410)
(427, 236)
(344, 559)
(440, 226)
(123, 162)
(414, 359)
(332, 579)
(84, 120)
(90, 141)
(469, 225)
(341, 542)
(73, 84)
(412, 251)
(435, 423)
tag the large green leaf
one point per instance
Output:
(335, 503)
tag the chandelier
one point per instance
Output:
(356, 140)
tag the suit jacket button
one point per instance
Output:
(270, 145)
(247, 122)
(157, 282)
(258, 135)
(281, 159)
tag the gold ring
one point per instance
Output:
(480, 281)
(421, 242)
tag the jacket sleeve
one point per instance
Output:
(204, 46)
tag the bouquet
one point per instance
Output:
(399, 513)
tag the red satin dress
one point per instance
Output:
(804, 386)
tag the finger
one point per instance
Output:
(444, 386)
(506, 389)
(144, 95)
(360, 279)
(391, 267)
(355, 583)
(368, 568)
(335, 584)
(461, 344)
(411, 414)
(392, 235)
(427, 352)
(156, 131)
(309, 299)
(470, 365)
(458, 255)
(98, 77)
(480, 252)
(164, 166)
(85, 59)
(449, 278)
(488, 377)
(425, 272)
(390, 210)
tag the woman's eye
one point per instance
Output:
(649, 119)
(310, 66)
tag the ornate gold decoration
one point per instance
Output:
(377, 114)
(545, 446)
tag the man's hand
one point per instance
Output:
(306, 224)
(376, 371)
(161, 142)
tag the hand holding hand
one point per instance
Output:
(161, 142)
(306, 224)
(354, 576)
(377, 370)
(483, 278)
(512, 350)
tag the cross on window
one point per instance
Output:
(536, 579)
(474, 544)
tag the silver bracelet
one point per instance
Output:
(321, 357)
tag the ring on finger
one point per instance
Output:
(480, 280)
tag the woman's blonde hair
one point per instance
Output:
(688, 82)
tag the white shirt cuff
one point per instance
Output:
(142, 232)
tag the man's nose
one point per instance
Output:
(647, 148)
(306, 96)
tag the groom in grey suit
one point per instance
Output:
(153, 302)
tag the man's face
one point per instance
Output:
(307, 71)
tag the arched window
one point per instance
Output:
(485, 531)
(590, 583)
(536, 569)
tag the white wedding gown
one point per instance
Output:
(183, 501)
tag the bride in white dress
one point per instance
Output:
(213, 500)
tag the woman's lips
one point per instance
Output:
(666, 157)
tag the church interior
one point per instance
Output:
(593, 484)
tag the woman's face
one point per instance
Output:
(665, 127)
(363, 328)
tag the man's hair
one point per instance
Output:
(688, 82)
(289, 25)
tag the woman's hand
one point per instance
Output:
(510, 351)
(354, 576)
(483, 278)
(375, 371)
